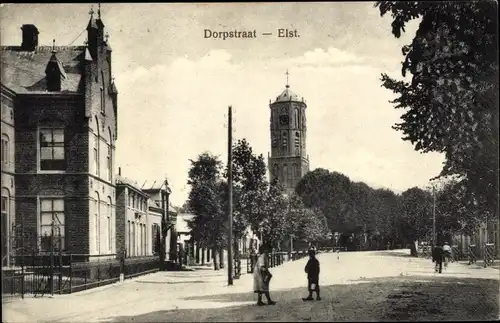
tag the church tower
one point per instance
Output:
(288, 160)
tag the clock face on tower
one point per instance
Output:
(284, 120)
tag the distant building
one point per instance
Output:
(484, 234)
(59, 128)
(158, 198)
(288, 161)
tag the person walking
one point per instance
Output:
(446, 254)
(261, 277)
(437, 258)
(312, 270)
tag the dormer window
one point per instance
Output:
(54, 73)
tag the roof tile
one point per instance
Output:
(24, 72)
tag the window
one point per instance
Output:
(297, 170)
(297, 120)
(133, 240)
(97, 223)
(129, 238)
(285, 172)
(5, 149)
(52, 212)
(52, 149)
(110, 226)
(108, 164)
(96, 162)
(5, 203)
(155, 235)
(142, 240)
(297, 139)
(102, 100)
(284, 140)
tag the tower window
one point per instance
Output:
(297, 139)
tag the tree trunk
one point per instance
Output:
(221, 258)
(214, 258)
(413, 249)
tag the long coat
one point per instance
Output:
(259, 284)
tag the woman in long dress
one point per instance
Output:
(261, 277)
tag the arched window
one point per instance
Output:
(296, 118)
(297, 139)
(103, 94)
(297, 170)
(275, 171)
(97, 222)
(96, 148)
(109, 160)
(110, 225)
(284, 140)
(5, 149)
(285, 172)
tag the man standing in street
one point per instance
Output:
(312, 270)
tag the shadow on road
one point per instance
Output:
(394, 253)
(380, 299)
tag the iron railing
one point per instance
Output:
(69, 273)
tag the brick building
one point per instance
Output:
(138, 218)
(288, 161)
(8, 169)
(60, 141)
(132, 218)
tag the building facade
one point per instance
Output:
(8, 174)
(158, 201)
(132, 219)
(61, 138)
(288, 160)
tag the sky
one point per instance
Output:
(175, 85)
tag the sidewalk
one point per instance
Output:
(164, 291)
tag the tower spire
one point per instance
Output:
(287, 86)
(91, 12)
(99, 10)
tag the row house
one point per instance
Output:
(139, 214)
(59, 129)
(157, 208)
(132, 218)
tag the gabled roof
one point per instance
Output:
(24, 71)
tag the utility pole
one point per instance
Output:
(434, 215)
(230, 185)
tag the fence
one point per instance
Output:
(275, 259)
(40, 274)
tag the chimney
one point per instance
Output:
(120, 171)
(30, 37)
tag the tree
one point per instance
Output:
(249, 183)
(387, 211)
(451, 102)
(329, 192)
(206, 202)
(415, 221)
(273, 226)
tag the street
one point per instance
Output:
(360, 286)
